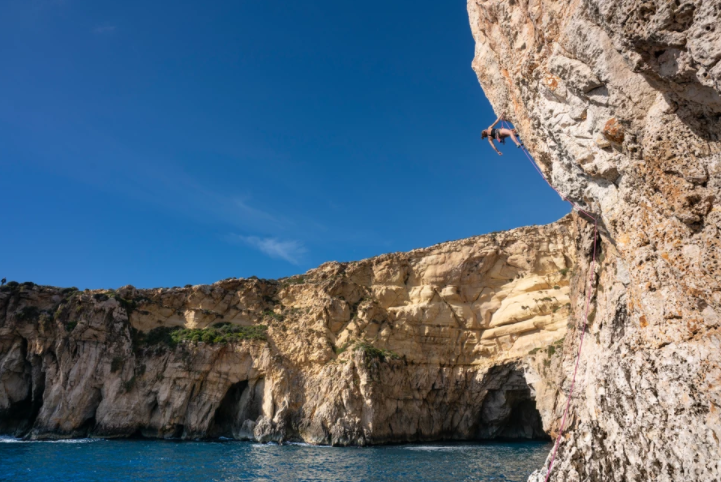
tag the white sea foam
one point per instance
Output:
(75, 441)
(13, 440)
(305, 444)
(440, 448)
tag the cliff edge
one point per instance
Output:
(619, 103)
(458, 341)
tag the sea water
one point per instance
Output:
(150, 460)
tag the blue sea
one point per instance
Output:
(131, 460)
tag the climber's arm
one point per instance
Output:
(497, 121)
(490, 141)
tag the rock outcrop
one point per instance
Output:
(619, 103)
(456, 341)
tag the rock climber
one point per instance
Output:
(499, 134)
(3, 281)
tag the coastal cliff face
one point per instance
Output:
(456, 341)
(619, 104)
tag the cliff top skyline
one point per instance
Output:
(177, 143)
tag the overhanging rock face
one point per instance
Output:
(618, 102)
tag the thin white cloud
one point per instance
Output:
(104, 29)
(250, 212)
(289, 250)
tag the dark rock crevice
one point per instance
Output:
(239, 410)
(509, 410)
(24, 375)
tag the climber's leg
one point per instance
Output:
(514, 138)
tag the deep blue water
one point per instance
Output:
(126, 460)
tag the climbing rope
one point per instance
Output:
(588, 302)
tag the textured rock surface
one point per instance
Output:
(456, 341)
(618, 102)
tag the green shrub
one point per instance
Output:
(294, 280)
(28, 313)
(46, 317)
(270, 300)
(341, 349)
(218, 333)
(116, 364)
(70, 325)
(128, 305)
(373, 353)
(274, 315)
(162, 335)
(556, 287)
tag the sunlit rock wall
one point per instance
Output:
(456, 341)
(618, 102)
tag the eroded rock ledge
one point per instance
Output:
(458, 341)
(619, 103)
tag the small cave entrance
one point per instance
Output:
(238, 411)
(19, 417)
(509, 409)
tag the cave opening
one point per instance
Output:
(509, 409)
(227, 412)
(19, 417)
(238, 411)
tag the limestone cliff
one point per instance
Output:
(619, 103)
(456, 341)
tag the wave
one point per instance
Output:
(306, 444)
(14, 440)
(441, 448)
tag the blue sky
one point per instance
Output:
(172, 142)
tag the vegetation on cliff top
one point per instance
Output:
(218, 333)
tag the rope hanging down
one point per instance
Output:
(588, 303)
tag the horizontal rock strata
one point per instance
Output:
(456, 341)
